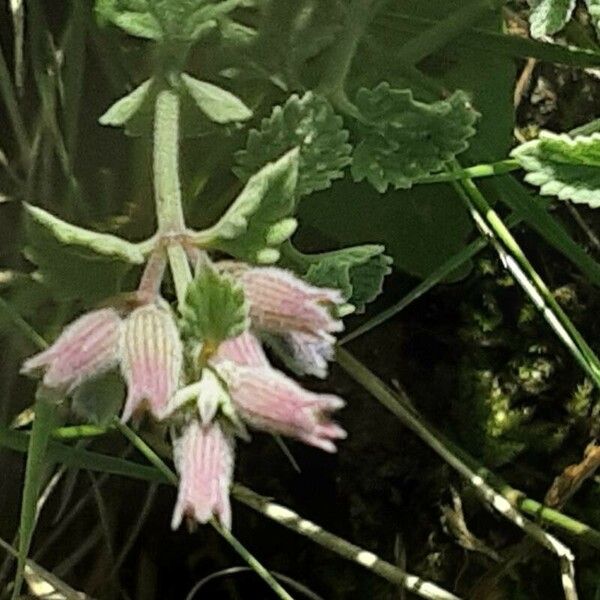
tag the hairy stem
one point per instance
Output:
(336, 71)
(167, 187)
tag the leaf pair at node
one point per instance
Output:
(135, 110)
(165, 20)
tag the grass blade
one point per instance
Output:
(514, 195)
(408, 415)
(36, 459)
(501, 43)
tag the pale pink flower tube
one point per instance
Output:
(280, 302)
(268, 400)
(204, 458)
(245, 349)
(86, 348)
(151, 360)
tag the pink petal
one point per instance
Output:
(281, 302)
(305, 354)
(204, 457)
(86, 348)
(269, 400)
(245, 349)
(151, 361)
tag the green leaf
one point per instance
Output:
(36, 459)
(101, 243)
(215, 308)
(310, 124)
(404, 139)
(98, 400)
(259, 220)
(125, 108)
(170, 20)
(216, 103)
(133, 16)
(357, 272)
(593, 7)
(561, 166)
(82, 459)
(548, 17)
(419, 229)
(76, 263)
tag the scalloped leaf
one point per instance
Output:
(217, 104)
(358, 272)
(310, 124)
(215, 308)
(126, 107)
(404, 139)
(76, 263)
(548, 17)
(259, 220)
(561, 166)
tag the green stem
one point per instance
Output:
(484, 170)
(167, 188)
(520, 267)
(76, 432)
(410, 417)
(340, 60)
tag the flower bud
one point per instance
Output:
(268, 400)
(86, 348)
(204, 458)
(151, 360)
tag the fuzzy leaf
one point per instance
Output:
(358, 272)
(76, 263)
(217, 104)
(405, 139)
(133, 16)
(310, 124)
(259, 220)
(548, 17)
(101, 243)
(561, 166)
(125, 108)
(215, 308)
(174, 20)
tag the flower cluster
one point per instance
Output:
(235, 385)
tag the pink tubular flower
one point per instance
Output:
(151, 360)
(303, 353)
(270, 401)
(204, 457)
(86, 348)
(281, 302)
(245, 349)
